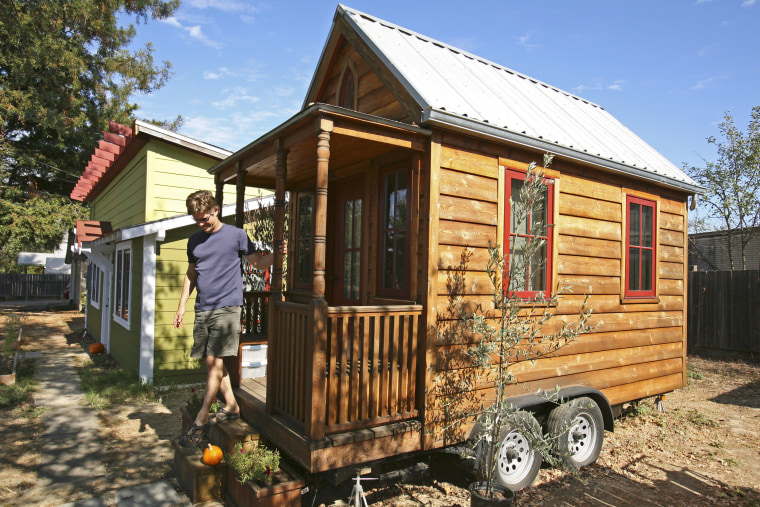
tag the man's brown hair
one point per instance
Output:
(201, 201)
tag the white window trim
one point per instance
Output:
(126, 246)
(96, 285)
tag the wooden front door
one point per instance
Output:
(346, 277)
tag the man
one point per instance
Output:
(213, 270)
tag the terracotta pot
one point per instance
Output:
(480, 495)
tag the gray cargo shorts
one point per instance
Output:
(216, 333)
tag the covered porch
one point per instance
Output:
(346, 355)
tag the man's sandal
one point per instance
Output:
(193, 436)
(223, 415)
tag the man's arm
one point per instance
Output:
(187, 288)
(262, 262)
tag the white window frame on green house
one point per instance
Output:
(96, 284)
(122, 284)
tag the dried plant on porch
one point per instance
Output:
(259, 224)
(510, 331)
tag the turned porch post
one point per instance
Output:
(240, 196)
(219, 197)
(281, 174)
(317, 340)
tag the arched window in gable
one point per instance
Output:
(347, 94)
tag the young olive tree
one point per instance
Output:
(511, 331)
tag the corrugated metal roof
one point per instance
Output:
(456, 87)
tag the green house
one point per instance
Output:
(135, 244)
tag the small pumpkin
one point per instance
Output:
(97, 348)
(212, 455)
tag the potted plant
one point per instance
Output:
(509, 443)
(259, 478)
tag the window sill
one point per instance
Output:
(633, 300)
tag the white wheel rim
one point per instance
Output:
(581, 438)
(515, 458)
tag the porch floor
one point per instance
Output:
(334, 451)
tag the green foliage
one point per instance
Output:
(20, 394)
(65, 70)
(195, 402)
(104, 384)
(699, 419)
(693, 373)
(33, 224)
(732, 186)
(250, 463)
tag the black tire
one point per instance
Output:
(577, 427)
(518, 461)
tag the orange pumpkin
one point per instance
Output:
(97, 348)
(212, 455)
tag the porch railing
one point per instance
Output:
(370, 367)
(255, 312)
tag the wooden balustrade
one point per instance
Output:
(255, 312)
(370, 375)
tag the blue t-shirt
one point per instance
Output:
(217, 261)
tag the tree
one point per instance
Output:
(34, 224)
(65, 70)
(732, 185)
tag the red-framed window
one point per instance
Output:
(529, 276)
(395, 199)
(640, 252)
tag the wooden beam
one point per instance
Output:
(240, 196)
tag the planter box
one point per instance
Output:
(283, 494)
(10, 378)
(201, 482)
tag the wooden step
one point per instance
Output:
(224, 434)
(201, 482)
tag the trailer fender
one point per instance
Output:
(539, 405)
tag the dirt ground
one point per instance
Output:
(703, 450)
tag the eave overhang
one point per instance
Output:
(464, 125)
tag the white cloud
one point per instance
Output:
(525, 41)
(233, 97)
(708, 83)
(236, 130)
(219, 74)
(748, 3)
(599, 84)
(194, 32)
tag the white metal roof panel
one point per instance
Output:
(447, 80)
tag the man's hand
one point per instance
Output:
(178, 322)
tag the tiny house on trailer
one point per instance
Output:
(406, 152)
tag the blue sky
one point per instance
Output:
(667, 69)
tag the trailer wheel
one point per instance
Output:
(517, 460)
(578, 428)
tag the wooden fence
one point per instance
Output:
(21, 286)
(724, 313)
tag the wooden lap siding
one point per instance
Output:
(637, 348)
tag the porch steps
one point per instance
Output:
(201, 482)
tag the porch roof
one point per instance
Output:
(355, 136)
